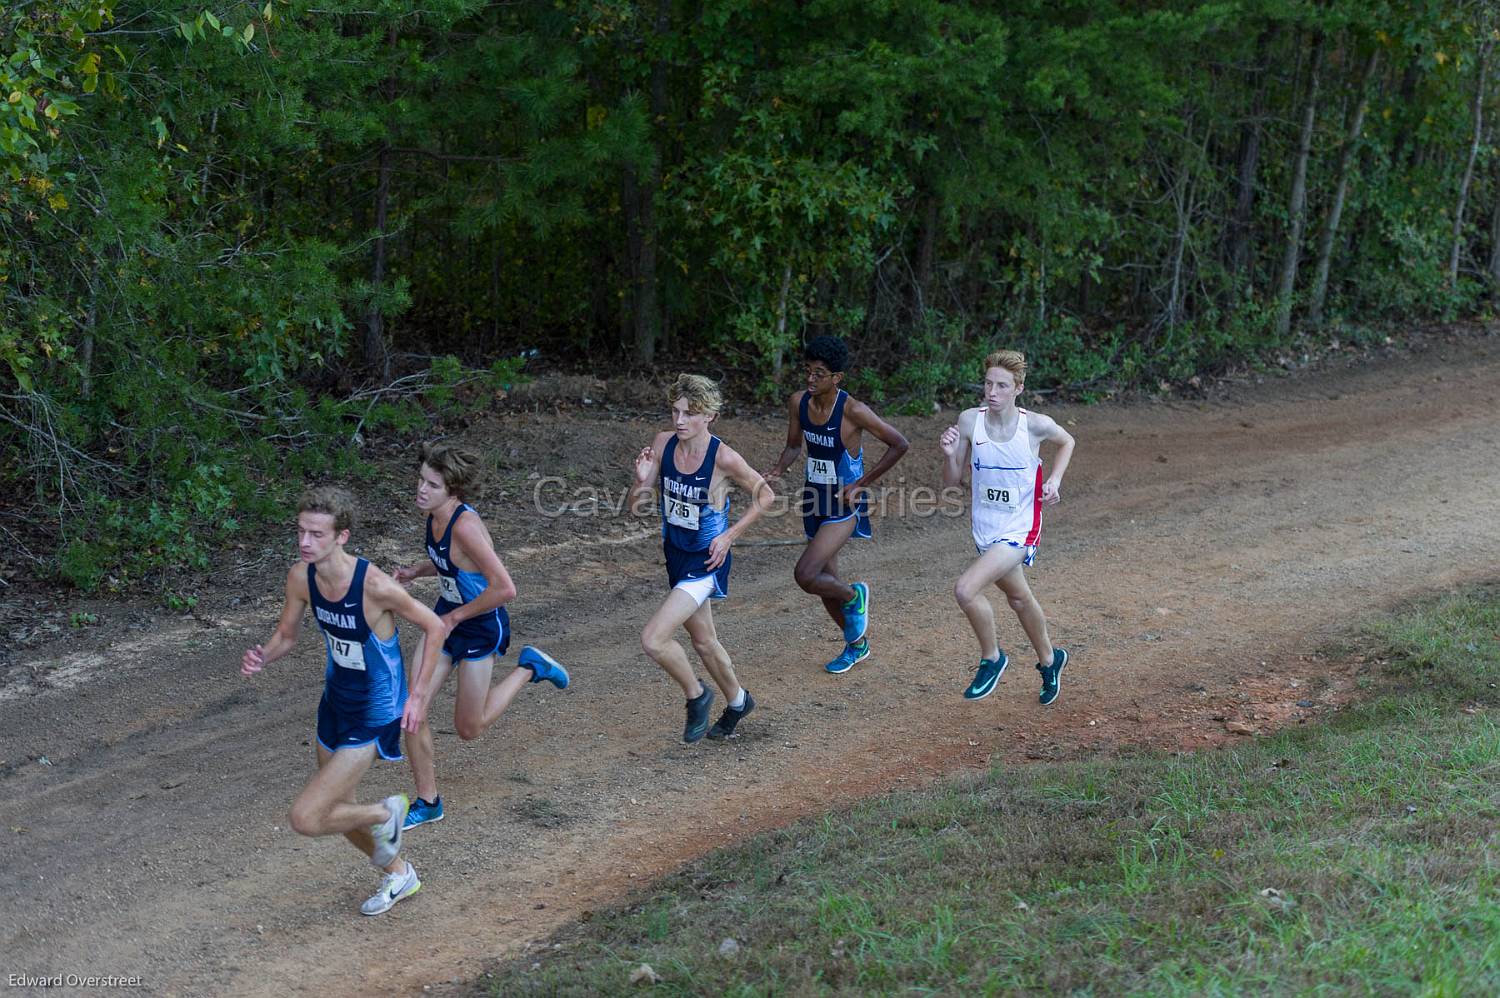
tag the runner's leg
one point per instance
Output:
(817, 569)
(479, 704)
(419, 743)
(700, 627)
(970, 590)
(326, 805)
(1018, 593)
(658, 642)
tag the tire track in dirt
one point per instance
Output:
(1201, 552)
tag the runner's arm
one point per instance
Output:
(955, 443)
(895, 443)
(1048, 430)
(738, 470)
(471, 537)
(647, 471)
(793, 438)
(383, 593)
(405, 573)
(284, 638)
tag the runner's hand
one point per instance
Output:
(850, 494)
(403, 574)
(415, 712)
(718, 550)
(1050, 495)
(643, 464)
(253, 662)
(950, 441)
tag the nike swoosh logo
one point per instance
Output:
(347, 606)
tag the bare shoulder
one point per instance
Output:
(296, 581)
(381, 588)
(794, 402)
(969, 417)
(1042, 425)
(727, 457)
(659, 444)
(470, 525)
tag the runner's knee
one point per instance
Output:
(468, 728)
(305, 819)
(965, 593)
(652, 643)
(705, 647)
(806, 576)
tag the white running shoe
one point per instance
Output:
(395, 887)
(388, 833)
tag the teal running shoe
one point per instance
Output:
(848, 658)
(424, 812)
(987, 678)
(697, 716)
(857, 614)
(543, 666)
(1052, 675)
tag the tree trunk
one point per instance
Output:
(646, 318)
(1237, 255)
(377, 357)
(926, 241)
(86, 349)
(1182, 202)
(1463, 187)
(1297, 213)
(1495, 241)
(1341, 188)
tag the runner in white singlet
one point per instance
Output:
(1001, 444)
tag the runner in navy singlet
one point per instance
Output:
(365, 701)
(474, 586)
(835, 499)
(693, 470)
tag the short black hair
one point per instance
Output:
(830, 350)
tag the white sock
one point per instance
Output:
(738, 701)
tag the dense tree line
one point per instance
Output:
(225, 230)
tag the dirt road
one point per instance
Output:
(1202, 555)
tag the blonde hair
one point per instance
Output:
(702, 395)
(459, 469)
(331, 500)
(1011, 360)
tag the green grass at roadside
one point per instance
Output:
(1358, 856)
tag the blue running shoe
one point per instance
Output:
(849, 657)
(987, 678)
(1052, 675)
(544, 666)
(857, 614)
(424, 812)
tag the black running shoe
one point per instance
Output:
(697, 716)
(724, 726)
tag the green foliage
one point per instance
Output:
(228, 229)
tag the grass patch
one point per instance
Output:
(1355, 857)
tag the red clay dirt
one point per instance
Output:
(1203, 555)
